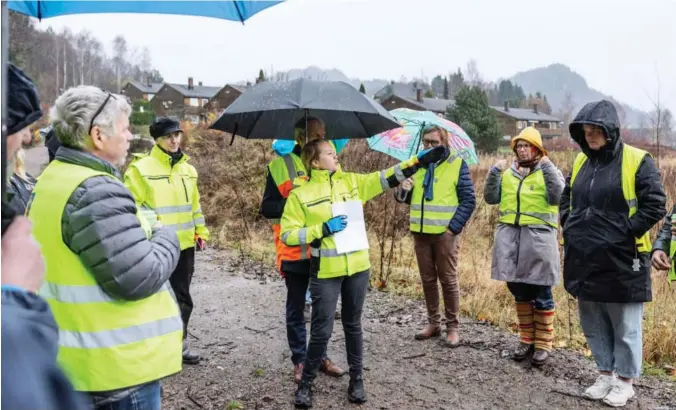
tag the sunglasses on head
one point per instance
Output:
(96, 114)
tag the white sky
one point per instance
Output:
(619, 46)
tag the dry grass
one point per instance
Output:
(232, 179)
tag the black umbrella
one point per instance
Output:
(271, 110)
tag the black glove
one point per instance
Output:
(432, 155)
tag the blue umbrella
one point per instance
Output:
(228, 10)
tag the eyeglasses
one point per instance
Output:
(428, 143)
(522, 146)
(96, 114)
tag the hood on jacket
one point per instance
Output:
(23, 101)
(600, 113)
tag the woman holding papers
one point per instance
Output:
(309, 219)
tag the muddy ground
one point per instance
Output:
(238, 326)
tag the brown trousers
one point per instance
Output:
(438, 259)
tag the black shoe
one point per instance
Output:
(188, 356)
(355, 391)
(303, 398)
(522, 351)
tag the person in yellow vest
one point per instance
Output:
(611, 199)
(308, 220)
(164, 186)
(293, 262)
(442, 201)
(107, 270)
(664, 250)
(525, 249)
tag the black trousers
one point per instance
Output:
(180, 282)
(325, 294)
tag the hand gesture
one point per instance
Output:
(545, 160)
(22, 262)
(660, 260)
(501, 164)
(407, 184)
(335, 224)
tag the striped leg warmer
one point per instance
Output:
(524, 311)
(544, 329)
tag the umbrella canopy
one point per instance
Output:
(272, 109)
(403, 142)
(228, 10)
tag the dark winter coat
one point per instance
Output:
(600, 249)
(663, 241)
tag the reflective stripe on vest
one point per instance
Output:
(523, 201)
(434, 216)
(104, 343)
(631, 160)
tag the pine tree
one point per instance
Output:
(473, 114)
(362, 89)
(446, 94)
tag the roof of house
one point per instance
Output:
(145, 88)
(198, 91)
(429, 104)
(526, 114)
(406, 90)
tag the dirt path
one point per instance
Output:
(238, 326)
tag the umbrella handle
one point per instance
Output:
(401, 194)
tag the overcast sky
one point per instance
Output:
(621, 47)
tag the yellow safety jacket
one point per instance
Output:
(434, 216)
(631, 161)
(104, 343)
(524, 201)
(169, 192)
(309, 206)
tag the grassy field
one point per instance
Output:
(231, 183)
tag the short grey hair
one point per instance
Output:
(73, 111)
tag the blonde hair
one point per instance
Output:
(443, 133)
(19, 163)
(311, 152)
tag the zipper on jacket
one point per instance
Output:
(591, 185)
(185, 189)
(518, 202)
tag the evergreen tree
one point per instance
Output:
(362, 89)
(473, 114)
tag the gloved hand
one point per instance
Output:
(200, 244)
(335, 224)
(432, 155)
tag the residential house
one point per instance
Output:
(224, 97)
(513, 120)
(137, 90)
(397, 95)
(183, 101)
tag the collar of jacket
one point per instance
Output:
(322, 175)
(85, 159)
(162, 156)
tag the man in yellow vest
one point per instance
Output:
(164, 186)
(293, 262)
(664, 250)
(611, 199)
(107, 269)
(442, 200)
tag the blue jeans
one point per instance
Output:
(525, 292)
(614, 332)
(147, 397)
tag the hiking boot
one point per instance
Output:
(330, 369)
(188, 356)
(620, 393)
(452, 338)
(540, 357)
(297, 372)
(601, 387)
(303, 397)
(428, 332)
(522, 351)
(355, 391)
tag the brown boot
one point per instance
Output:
(452, 337)
(297, 372)
(428, 332)
(330, 369)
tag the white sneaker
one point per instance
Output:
(601, 387)
(619, 394)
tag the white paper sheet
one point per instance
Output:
(353, 237)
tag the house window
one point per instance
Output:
(150, 97)
(519, 124)
(205, 101)
(194, 102)
(552, 125)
